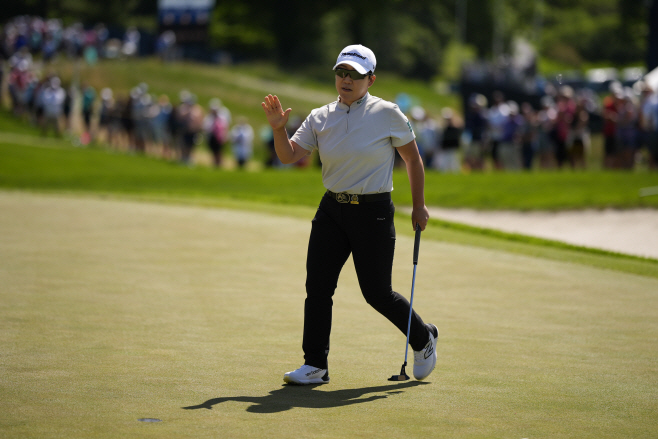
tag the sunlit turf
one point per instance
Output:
(113, 311)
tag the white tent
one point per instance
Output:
(651, 79)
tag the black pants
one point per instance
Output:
(366, 231)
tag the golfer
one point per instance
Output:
(356, 137)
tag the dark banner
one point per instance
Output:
(188, 19)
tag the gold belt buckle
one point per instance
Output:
(342, 198)
(347, 198)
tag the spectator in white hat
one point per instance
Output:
(52, 99)
(356, 137)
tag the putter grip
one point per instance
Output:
(416, 244)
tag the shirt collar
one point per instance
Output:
(356, 103)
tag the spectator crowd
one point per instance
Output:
(492, 133)
(139, 121)
(506, 135)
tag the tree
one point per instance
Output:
(409, 36)
(652, 50)
(86, 11)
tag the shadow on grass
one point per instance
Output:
(290, 396)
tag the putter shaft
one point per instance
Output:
(403, 375)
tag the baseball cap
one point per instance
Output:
(359, 57)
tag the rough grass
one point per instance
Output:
(112, 311)
(32, 162)
(241, 87)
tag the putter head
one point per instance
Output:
(402, 377)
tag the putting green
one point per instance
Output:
(113, 311)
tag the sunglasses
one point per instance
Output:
(351, 73)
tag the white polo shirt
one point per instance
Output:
(356, 143)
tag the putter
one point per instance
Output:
(403, 375)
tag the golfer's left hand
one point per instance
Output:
(420, 216)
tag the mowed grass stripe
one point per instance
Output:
(112, 311)
(58, 167)
(32, 162)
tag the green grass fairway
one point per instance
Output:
(113, 310)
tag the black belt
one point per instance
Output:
(346, 198)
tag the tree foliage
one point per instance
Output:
(409, 36)
(86, 11)
(412, 35)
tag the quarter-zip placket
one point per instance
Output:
(349, 109)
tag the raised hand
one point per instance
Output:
(276, 117)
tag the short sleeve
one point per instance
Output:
(305, 135)
(400, 128)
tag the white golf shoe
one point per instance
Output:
(307, 375)
(425, 360)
